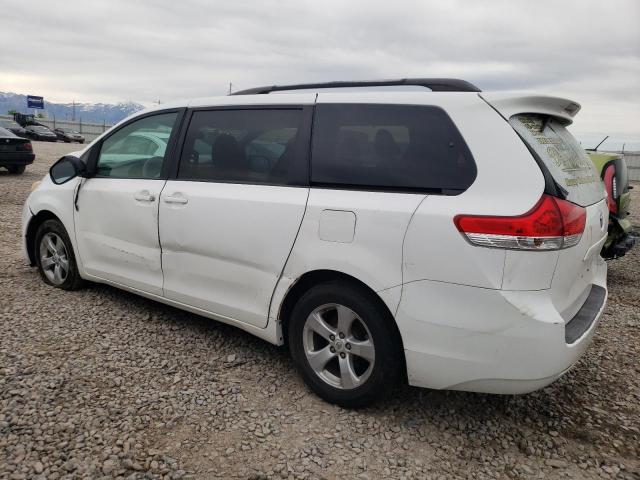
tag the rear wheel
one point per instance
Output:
(342, 342)
(55, 258)
(17, 169)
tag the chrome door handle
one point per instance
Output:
(179, 200)
(144, 196)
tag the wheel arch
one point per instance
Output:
(37, 220)
(316, 277)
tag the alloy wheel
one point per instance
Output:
(54, 259)
(338, 346)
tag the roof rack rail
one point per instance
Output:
(435, 84)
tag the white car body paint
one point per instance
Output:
(57, 199)
(381, 220)
(471, 318)
(229, 267)
(117, 231)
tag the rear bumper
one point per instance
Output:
(495, 341)
(582, 321)
(7, 158)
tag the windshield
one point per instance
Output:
(40, 129)
(563, 156)
(5, 133)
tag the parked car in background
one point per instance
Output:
(13, 127)
(381, 234)
(15, 152)
(614, 173)
(68, 135)
(40, 132)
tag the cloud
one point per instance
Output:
(119, 50)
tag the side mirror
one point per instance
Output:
(66, 168)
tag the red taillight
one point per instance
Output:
(550, 225)
(610, 185)
(24, 147)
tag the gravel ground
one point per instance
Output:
(101, 383)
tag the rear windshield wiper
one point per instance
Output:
(545, 124)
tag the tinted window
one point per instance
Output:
(389, 146)
(245, 146)
(138, 149)
(563, 156)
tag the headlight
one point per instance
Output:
(35, 185)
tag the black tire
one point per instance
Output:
(72, 281)
(384, 373)
(17, 169)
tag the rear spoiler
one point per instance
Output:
(509, 104)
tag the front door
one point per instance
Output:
(117, 216)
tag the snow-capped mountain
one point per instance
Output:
(87, 112)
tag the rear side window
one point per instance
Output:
(395, 147)
(246, 146)
(563, 156)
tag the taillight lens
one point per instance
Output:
(551, 225)
(24, 147)
(612, 188)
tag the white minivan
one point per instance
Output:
(413, 230)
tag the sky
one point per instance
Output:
(145, 51)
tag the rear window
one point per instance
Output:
(395, 147)
(566, 160)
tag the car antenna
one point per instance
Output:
(596, 149)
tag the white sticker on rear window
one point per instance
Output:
(563, 156)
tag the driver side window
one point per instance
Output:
(138, 149)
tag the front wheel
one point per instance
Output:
(55, 258)
(344, 345)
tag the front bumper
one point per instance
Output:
(494, 341)
(19, 158)
(27, 216)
